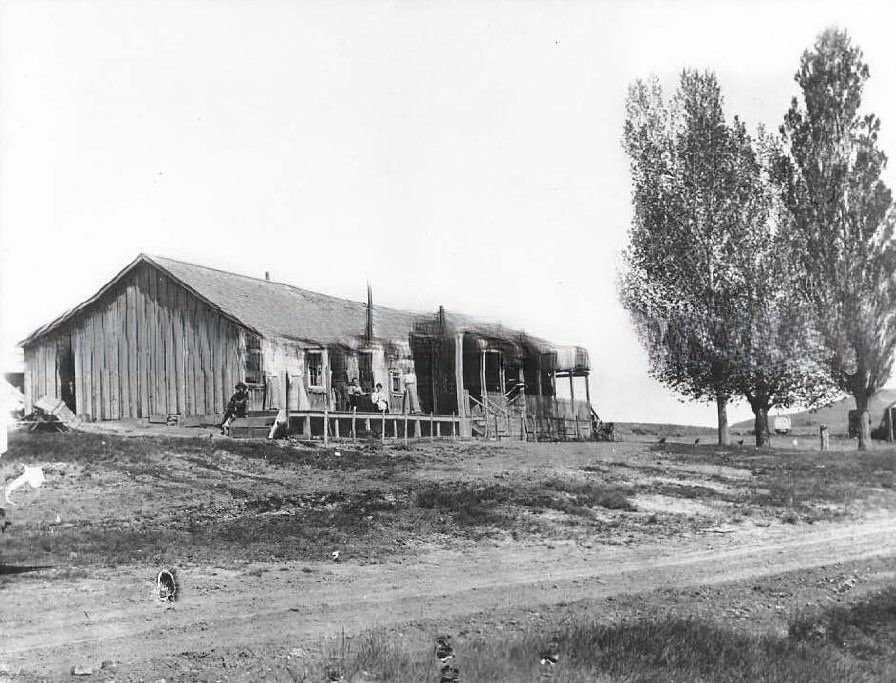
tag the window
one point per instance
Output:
(395, 381)
(253, 359)
(314, 368)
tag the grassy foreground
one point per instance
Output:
(841, 643)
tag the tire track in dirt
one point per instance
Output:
(48, 625)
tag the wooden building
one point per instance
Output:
(165, 337)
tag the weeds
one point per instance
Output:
(866, 628)
(588, 494)
(841, 644)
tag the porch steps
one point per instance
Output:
(257, 425)
(480, 429)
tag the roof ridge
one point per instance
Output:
(293, 287)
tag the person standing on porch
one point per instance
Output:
(410, 399)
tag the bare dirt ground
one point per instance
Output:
(470, 539)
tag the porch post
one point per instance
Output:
(459, 373)
(539, 409)
(482, 374)
(503, 379)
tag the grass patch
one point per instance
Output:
(800, 485)
(87, 448)
(866, 629)
(468, 506)
(588, 494)
(855, 643)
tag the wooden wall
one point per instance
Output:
(41, 371)
(148, 347)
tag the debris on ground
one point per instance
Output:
(444, 651)
(31, 474)
(166, 585)
(50, 415)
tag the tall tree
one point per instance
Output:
(670, 283)
(703, 279)
(774, 353)
(842, 218)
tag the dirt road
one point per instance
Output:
(263, 611)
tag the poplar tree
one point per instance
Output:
(703, 277)
(842, 219)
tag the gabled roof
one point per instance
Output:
(275, 309)
(271, 309)
(278, 310)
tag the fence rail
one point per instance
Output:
(352, 425)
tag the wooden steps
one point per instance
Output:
(257, 425)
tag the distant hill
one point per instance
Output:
(835, 415)
(652, 429)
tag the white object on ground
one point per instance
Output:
(166, 586)
(32, 475)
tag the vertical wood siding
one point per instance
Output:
(147, 347)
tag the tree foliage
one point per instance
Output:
(703, 277)
(842, 218)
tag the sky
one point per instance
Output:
(463, 154)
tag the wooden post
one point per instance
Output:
(383, 427)
(405, 429)
(354, 417)
(306, 427)
(439, 429)
(335, 427)
(454, 429)
(418, 432)
(554, 387)
(577, 425)
(326, 428)
(367, 423)
(459, 372)
(502, 379)
(431, 433)
(482, 377)
(823, 437)
(522, 428)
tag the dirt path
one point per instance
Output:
(49, 625)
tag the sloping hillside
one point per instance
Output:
(835, 415)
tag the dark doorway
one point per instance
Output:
(365, 370)
(65, 367)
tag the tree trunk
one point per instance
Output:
(864, 420)
(722, 411)
(760, 426)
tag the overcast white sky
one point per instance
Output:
(464, 154)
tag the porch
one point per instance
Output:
(352, 425)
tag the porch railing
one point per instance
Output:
(340, 425)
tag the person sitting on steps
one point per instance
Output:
(380, 399)
(238, 406)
